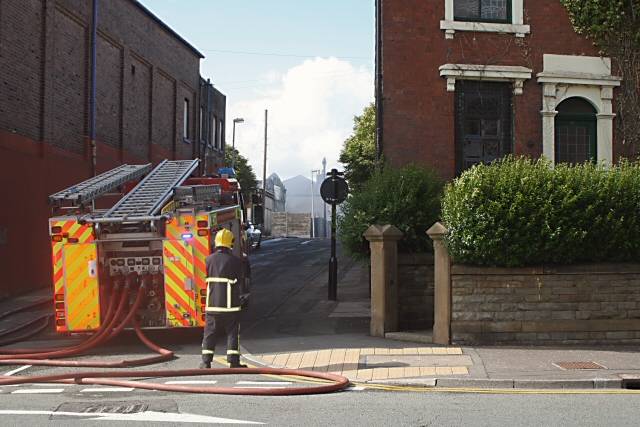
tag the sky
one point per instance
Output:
(309, 62)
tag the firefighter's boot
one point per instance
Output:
(206, 361)
(234, 361)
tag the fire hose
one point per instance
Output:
(43, 321)
(113, 324)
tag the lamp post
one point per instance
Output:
(233, 140)
(313, 213)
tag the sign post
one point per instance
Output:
(334, 190)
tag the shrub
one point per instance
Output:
(408, 198)
(518, 212)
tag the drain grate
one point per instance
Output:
(578, 365)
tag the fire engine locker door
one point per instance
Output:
(81, 290)
(179, 283)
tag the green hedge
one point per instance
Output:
(519, 212)
(408, 198)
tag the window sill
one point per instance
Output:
(451, 27)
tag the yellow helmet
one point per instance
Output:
(224, 238)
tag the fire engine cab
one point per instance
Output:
(153, 239)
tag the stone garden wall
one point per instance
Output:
(547, 305)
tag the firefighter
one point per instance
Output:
(227, 292)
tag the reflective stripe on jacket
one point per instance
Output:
(222, 295)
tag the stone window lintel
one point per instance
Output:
(517, 75)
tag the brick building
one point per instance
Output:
(469, 81)
(151, 104)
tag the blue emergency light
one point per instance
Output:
(228, 172)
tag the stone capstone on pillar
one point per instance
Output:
(383, 241)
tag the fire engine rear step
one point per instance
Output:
(148, 197)
(93, 188)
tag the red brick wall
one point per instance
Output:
(110, 56)
(20, 103)
(419, 112)
(44, 82)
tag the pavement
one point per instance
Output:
(291, 324)
(309, 332)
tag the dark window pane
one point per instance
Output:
(490, 10)
(494, 10)
(467, 8)
(490, 127)
(473, 127)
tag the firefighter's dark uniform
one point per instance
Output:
(227, 290)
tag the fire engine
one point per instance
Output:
(154, 238)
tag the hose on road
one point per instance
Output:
(113, 325)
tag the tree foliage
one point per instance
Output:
(614, 27)
(408, 198)
(244, 172)
(359, 150)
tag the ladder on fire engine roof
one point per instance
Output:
(96, 186)
(148, 197)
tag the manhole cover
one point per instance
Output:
(113, 407)
(578, 365)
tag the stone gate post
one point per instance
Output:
(383, 241)
(442, 286)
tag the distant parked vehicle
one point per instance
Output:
(254, 236)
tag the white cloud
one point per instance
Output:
(311, 109)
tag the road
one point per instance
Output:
(283, 272)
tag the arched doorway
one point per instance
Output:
(576, 131)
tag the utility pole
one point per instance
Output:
(324, 207)
(264, 170)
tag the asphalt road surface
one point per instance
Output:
(281, 270)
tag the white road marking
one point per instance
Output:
(148, 416)
(38, 391)
(105, 389)
(50, 385)
(263, 383)
(191, 382)
(307, 242)
(15, 371)
(356, 388)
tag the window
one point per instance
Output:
(201, 124)
(492, 16)
(212, 130)
(185, 120)
(219, 134)
(483, 122)
(483, 10)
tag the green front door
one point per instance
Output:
(576, 132)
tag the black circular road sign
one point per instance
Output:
(334, 189)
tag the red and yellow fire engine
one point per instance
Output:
(154, 239)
